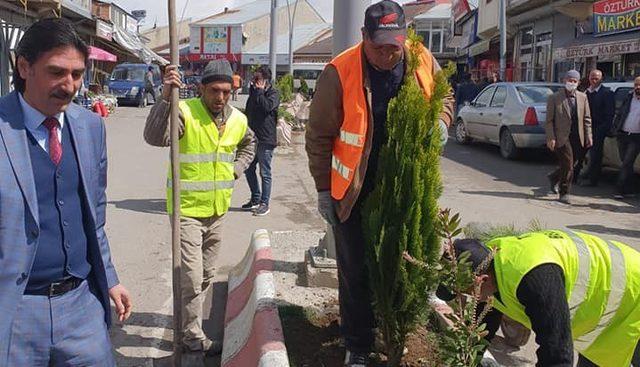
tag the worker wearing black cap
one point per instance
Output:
(574, 290)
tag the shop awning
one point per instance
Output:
(134, 45)
(479, 47)
(99, 54)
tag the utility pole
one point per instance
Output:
(503, 40)
(175, 188)
(292, 19)
(348, 19)
(273, 38)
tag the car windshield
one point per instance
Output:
(128, 73)
(536, 94)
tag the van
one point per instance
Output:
(127, 83)
(309, 72)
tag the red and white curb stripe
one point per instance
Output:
(253, 332)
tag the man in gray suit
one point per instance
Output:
(568, 132)
(56, 275)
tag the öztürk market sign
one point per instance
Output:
(600, 49)
(615, 16)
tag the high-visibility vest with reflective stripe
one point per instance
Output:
(602, 285)
(206, 161)
(348, 147)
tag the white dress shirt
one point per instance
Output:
(632, 123)
(33, 121)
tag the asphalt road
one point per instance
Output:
(478, 183)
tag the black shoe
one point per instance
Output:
(262, 210)
(553, 186)
(251, 205)
(353, 359)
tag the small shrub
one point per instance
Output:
(288, 117)
(285, 88)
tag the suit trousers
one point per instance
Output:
(629, 149)
(568, 156)
(356, 310)
(67, 330)
(200, 240)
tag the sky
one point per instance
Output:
(197, 9)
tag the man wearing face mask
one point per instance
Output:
(345, 132)
(626, 127)
(568, 131)
(216, 147)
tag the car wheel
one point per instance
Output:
(461, 133)
(508, 147)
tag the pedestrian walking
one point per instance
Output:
(216, 146)
(466, 92)
(602, 108)
(345, 133)
(237, 84)
(626, 127)
(262, 112)
(149, 86)
(56, 274)
(573, 290)
(568, 131)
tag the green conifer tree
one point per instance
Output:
(401, 214)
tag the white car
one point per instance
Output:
(510, 115)
(309, 72)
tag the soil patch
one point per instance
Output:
(314, 341)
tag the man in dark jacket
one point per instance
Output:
(262, 112)
(466, 92)
(602, 105)
(626, 127)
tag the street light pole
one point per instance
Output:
(291, 27)
(273, 37)
(348, 19)
(503, 40)
(175, 194)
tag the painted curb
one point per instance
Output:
(253, 331)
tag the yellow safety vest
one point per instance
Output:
(602, 281)
(206, 161)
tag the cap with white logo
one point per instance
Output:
(385, 24)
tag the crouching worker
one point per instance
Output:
(573, 290)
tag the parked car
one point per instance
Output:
(309, 72)
(191, 87)
(127, 83)
(510, 115)
(610, 156)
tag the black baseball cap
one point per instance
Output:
(385, 24)
(478, 252)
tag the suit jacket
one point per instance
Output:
(621, 115)
(602, 107)
(19, 223)
(558, 125)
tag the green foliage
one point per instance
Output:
(288, 117)
(400, 215)
(304, 87)
(285, 88)
(463, 344)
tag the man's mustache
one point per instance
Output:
(60, 94)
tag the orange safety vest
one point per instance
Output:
(348, 147)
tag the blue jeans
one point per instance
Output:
(264, 154)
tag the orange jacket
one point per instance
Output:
(348, 146)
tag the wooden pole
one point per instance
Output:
(175, 179)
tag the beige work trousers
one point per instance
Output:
(200, 240)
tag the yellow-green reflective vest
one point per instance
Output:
(206, 161)
(602, 281)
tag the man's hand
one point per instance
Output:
(551, 144)
(444, 133)
(589, 142)
(325, 207)
(260, 84)
(121, 298)
(171, 80)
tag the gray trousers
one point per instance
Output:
(200, 240)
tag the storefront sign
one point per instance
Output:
(600, 49)
(218, 40)
(209, 57)
(615, 16)
(81, 7)
(479, 47)
(214, 40)
(104, 30)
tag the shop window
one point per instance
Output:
(526, 36)
(425, 37)
(542, 37)
(436, 42)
